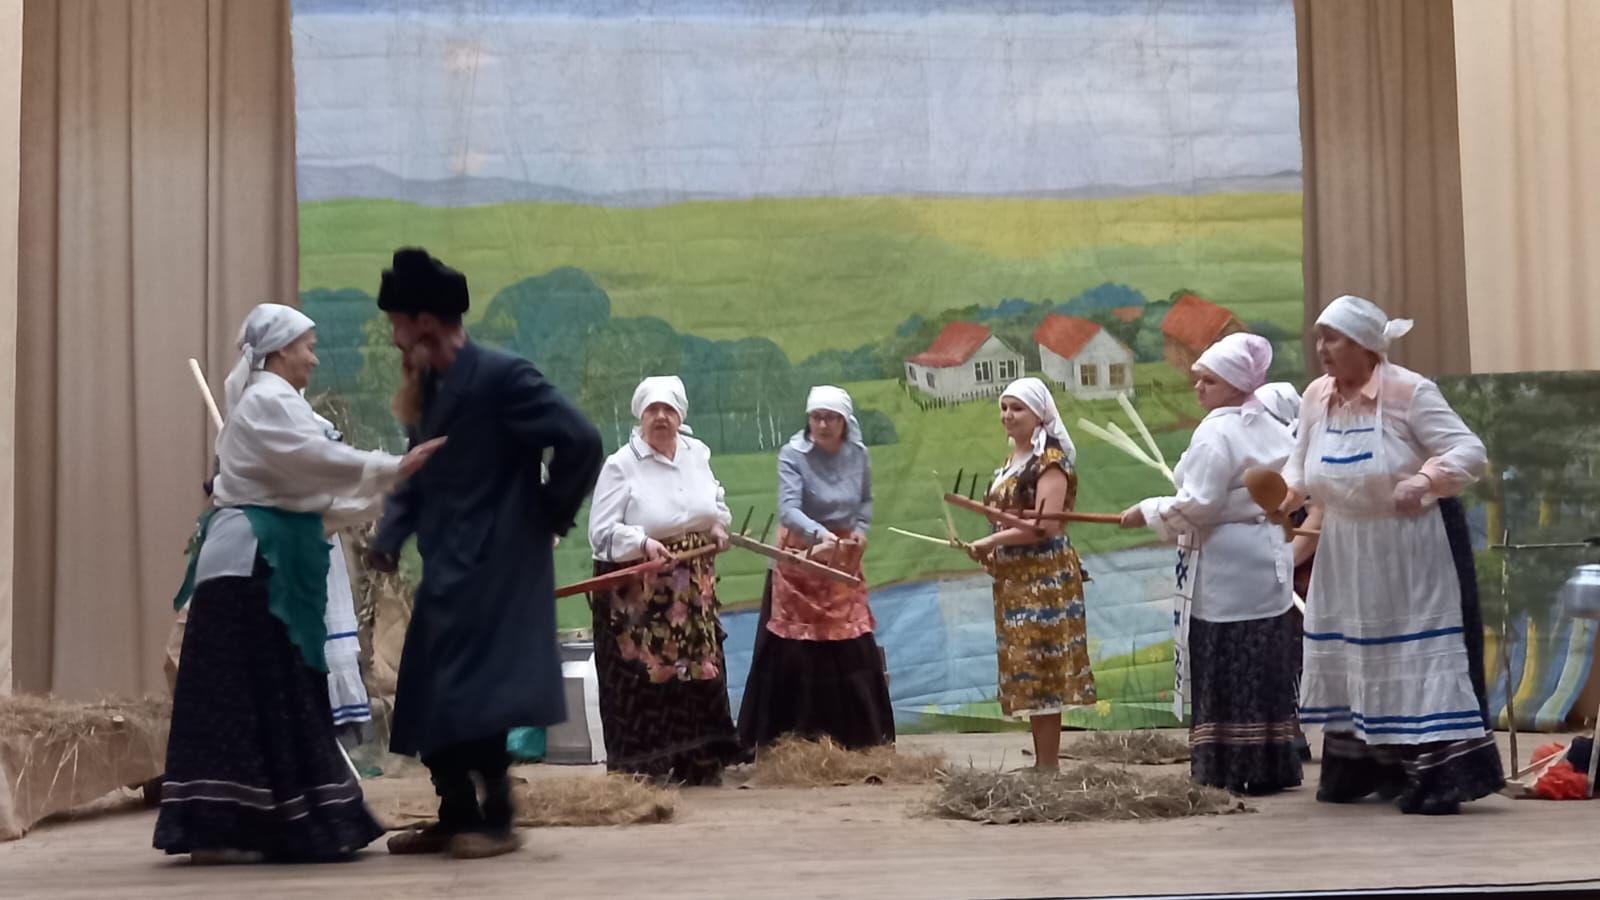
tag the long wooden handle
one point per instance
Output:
(623, 576)
(205, 392)
(1070, 516)
(997, 516)
(784, 556)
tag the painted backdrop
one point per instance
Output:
(916, 199)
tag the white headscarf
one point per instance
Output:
(666, 389)
(1033, 393)
(269, 328)
(834, 400)
(1364, 323)
(1241, 360)
(1281, 400)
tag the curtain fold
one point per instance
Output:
(1382, 172)
(10, 183)
(1530, 134)
(158, 187)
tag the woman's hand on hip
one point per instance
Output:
(1410, 494)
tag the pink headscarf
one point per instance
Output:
(1241, 360)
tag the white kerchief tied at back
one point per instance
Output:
(1241, 360)
(1033, 394)
(830, 399)
(666, 389)
(1363, 322)
(1281, 400)
(268, 328)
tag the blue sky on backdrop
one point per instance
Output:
(801, 97)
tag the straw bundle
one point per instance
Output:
(1085, 793)
(1138, 748)
(796, 762)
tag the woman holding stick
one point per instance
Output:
(1041, 638)
(253, 768)
(817, 670)
(1234, 605)
(658, 641)
(1394, 638)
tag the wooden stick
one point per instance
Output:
(1070, 516)
(997, 516)
(205, 392)
(953, 543)
(638, 570)
(784, 556)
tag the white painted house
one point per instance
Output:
(966, 361)
(1088, 362)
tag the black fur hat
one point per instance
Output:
(417, 283)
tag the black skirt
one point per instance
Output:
(1245, 726)
(252, 759)
(1435, 777)
(815, 688)
(677, 731)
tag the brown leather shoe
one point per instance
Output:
(421, 839)
(482, 845)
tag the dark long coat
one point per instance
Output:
(481, 654)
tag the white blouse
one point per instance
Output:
(1244, 564)
(274, 450)
(642, 494)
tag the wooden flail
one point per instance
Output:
(631, 573)
(803, 561)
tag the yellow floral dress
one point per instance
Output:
(1040, 635)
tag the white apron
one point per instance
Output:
(1185, 574)
(1247, 575)
(1385, 659)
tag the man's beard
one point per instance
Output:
(407, 403)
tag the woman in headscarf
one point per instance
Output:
(1393, 636)
(1040, 632)
(817, 670)
(1237, 635)
(253, 768)
(1282, 401)
(658, 642)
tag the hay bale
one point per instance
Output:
(1087, 793)
(796, 762)
(1137, 748)
(566, 800)
(52, 719)
(56, 756)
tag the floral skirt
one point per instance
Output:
(1040, 632)
(663, 691)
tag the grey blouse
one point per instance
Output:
(820, 491)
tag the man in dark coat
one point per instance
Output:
(481, 655)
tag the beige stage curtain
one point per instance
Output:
(1530, 139)
(10, 162)
(158, 202)
(1382, 169)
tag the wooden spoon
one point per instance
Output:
(1268, 489)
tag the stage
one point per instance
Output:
(873, 841)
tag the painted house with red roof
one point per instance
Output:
(964, 362)
(1192, 325)
(1087, 361)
